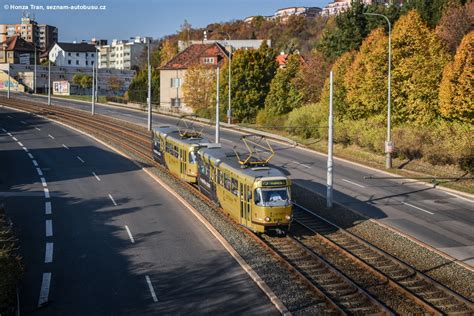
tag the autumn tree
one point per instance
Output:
(311, 76)
(366, 78)
(284, 95)
(252, 72)
(167, 52)
(457, 86)
(418, 62)
(457, 21)
(199, 89)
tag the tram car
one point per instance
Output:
(254, 195)
(176, 150)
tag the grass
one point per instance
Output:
(86, 98)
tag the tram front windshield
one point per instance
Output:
(272, 197)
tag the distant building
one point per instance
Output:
(73, 54)
(228, 45)
(122, 54)
(173, 73)
(16, 50)
(339, 6)
(285, 13)
(41, 35)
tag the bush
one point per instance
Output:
(308, 121)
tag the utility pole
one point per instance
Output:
(9, 81)
(93, 90)
(217, 108)
(34, 81)
(329, 195)
(229, 110)
(149, 87)
(96, 65)
(49, 81)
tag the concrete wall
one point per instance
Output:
(14, 85)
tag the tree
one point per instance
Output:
(311, 76)
(456, 22)
(252, 72)
(284, 95)
(199, 87)
(138, 89)
(114, 84)
(366, 78)
(167, 52)
(455, 94)
(82, 80)
(418, 62)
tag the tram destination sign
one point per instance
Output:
(273, 183)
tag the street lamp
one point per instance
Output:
(149, 85)
(34, 81)
(388, 143)
(229, 109)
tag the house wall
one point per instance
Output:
(167, 93)
(71, 59)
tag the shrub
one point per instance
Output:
(308, 121)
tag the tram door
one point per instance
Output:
(182, 162)
(245, 216)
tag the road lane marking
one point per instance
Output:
(47, 209)
(14, 138)
(49, 228)
(44, 292)
(31, 156)
(354, 183)
(303, 165)
(418, 208)
(43, 181)
(36, 128)
(46, 193)
(152, 290)
(40, 173)
(48, 256)
(113, 201)
(34, 163)
(65, 146)
(25, 149)
(23, 122)
(4, 130)
(98, 179)
(9, 134)
(51, 136)
(19, 143)
(130, 234)
(80, 159)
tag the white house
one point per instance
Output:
(73, 54)
(122, 54)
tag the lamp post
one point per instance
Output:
(93, 90)
(149, 86)
(34, 81)
(49, 81)
(217, 108)
(388, 143)
(229, 109)
(9, 81)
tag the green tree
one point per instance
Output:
(457, 86)
(418, 62)
(138, 89)
(366, 79)
(199, 88)
(252, 72)
(284, 95)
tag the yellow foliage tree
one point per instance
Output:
(456, 90)
(199, 87)
(366, 78)
(418, 62)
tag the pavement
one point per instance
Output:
(443, 220)
(100, 237)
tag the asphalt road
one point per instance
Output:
(100, 237)
(438, 218)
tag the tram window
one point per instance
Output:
(219, 179)
(175, 151)
(192, 157)
(272, 197)
(226, 182)
(234, 187)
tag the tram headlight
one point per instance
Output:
(288, 217)
(267, 219)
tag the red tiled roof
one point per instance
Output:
(281, 59)
(18, 44)
(192, 55)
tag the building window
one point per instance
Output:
(77, 62)
(69, 62)
(175, 82)
(175, 102)
(69, 54)
(92, 55)
(87, 63)
(209, 60)
(77, 54)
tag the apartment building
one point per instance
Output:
(284, 13)
(339, 6)
(16, 50)
(73, 54)
(122, 54)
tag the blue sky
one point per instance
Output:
(126, 18)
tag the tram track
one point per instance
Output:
(338, 292)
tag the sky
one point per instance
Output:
(122, 19)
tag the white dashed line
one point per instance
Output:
(98, 179)
(130, 234)
(354, 183)
(303, 165)
(19, 143)
(113, 201)
(51, 136)
(25, 149)
(40, 173)
(14, 138)
(34, 162)
(48, 256)
(43, 181)
(44, 293)
(152, 291)
(38, 129)
(47, 209)
(23, 122)
(418, 208)
(4, 130)
(65, 146)
(80, 159)
(46, 193)
(9, 134)
(49, 228)
(31, 156)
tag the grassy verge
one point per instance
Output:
(402, 167)
(10, 267)
(87, 98)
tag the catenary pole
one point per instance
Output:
(329, 190)
(9, 82)
(217, 108)
(149, 87)
(93, 91)
(49, 82)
